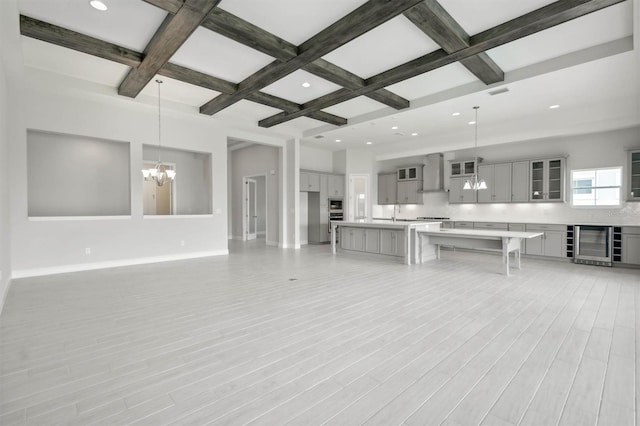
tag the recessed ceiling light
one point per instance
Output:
(455, 114)
(369, 143)
(554, 106)
(472, 122)
(394, 128)
(414, 134)
(306, 84)
(97, 4)
(338, 140)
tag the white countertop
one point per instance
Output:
(481, 233)
(387, 224)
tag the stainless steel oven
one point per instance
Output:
(593, 245)
(335, 210)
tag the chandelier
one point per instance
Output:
(473, 183)
(160, 173)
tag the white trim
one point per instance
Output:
(3, 297)
(24, 273)
(68, 218)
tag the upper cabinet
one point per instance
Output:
(457, 195)
(336, 186)
(520, 182)
(309, 182)
(498, 179)
(409, 173)
(634, 176)
(387, 188)
(408, 192)
(547, 180)
(463, 167)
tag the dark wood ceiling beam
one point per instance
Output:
(356, 23)
(171, 6)
(525, 25)
(288, 106)
(437, 24)
(173, 32)
(59, 36)
(246, 33)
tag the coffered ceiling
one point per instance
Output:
(391, 73)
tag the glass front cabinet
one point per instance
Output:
(547, 180)
(634, 175)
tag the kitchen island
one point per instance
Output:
(383, 237)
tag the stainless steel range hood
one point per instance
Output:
(433, 173)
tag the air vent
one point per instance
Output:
(318, 137)
(499, 91)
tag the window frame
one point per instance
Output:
(593, 189)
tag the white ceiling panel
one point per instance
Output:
(438, 80)
(478, 15)
(386, 46)
(355, 107)
(213, 54)
(293, 20)
(606, 25)
(300, 124)
(290, 87)
(247, 111)
(60, 60)
(126, 23)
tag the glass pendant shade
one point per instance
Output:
(473, 183)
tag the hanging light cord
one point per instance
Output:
(160, 123)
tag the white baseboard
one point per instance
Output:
(35, 272)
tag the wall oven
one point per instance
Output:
(593, 245)
(335, 210)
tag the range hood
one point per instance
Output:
(433, 173)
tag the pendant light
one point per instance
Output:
(160, 173)
(473, 183)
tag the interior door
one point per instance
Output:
(251, 208)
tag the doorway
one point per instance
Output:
(158, 200)
(358, 197)
(254, 207)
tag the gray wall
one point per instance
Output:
(255, 160)
(77, 176)
(193, 177)
(262, 204)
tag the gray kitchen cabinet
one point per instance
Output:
(352, 238)
(520, 182)
(460, 224)
(520, 227)
(387, 188)
(392, 242)
(491, 226)
(633, 184)
(309, 182)
(552, 243)
(408, 192)
(336, 185)
(498, 179)
(462, 167)
(631, 245)
(372, 240)
(324, 190)
(409, 173)
(457, 195)
(547, 180)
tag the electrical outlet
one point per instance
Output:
(87, 250)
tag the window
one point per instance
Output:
(596, 187)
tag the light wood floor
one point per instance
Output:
(272, 337)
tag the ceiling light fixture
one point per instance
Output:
(369, 143)
(554, 106)
(394, 128)
(414, 134)
(338, 140)
(306, 84)
(473, 183)
(472, 122)
(160, 173)
(98, 5)
(455, 114)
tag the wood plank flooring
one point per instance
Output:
(272, 337)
